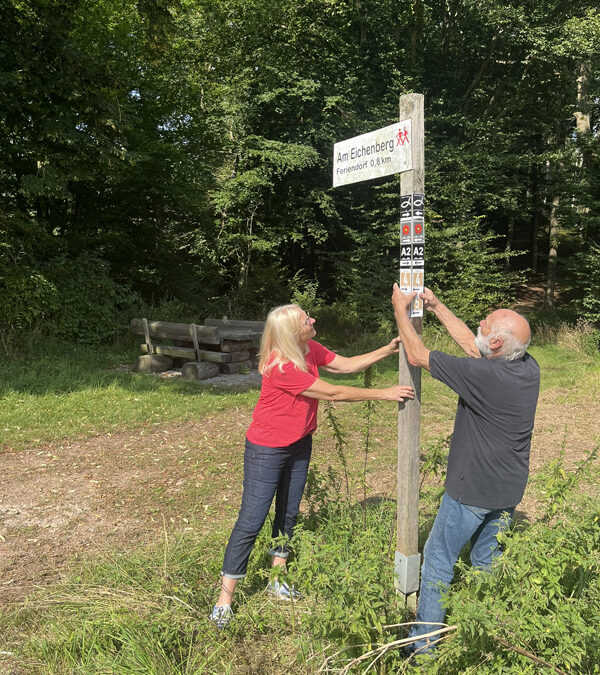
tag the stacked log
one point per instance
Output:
(222, 346)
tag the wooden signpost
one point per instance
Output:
(412, 191)
(399, 148)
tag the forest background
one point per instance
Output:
(174, 157)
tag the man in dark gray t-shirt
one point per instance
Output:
(488, 463)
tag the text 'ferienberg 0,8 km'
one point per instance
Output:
(379, 153)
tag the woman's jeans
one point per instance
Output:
(267, 472)
(454, 525)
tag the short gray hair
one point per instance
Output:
(512, 349)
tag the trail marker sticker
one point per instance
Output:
(412, 249)
(405, 281)
(379, 153)
(406, 231)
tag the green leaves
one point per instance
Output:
(543, 594)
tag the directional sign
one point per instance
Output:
(405, 206)
(417, 281)
(418, 202)
(417, 306)
(418, 230)
(418, 255)
(378, 153)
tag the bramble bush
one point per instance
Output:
(541, 602)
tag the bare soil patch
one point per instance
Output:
(59, 502)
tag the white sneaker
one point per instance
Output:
(283, 591)
(221, 615)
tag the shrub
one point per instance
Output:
(589, 276)
(92, 306)
(542, 602)
(26, 298)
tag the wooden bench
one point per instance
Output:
(220, 345)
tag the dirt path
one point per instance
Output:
(59, 502)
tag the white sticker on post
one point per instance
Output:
(405, 281)
(416, 308)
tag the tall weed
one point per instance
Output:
(581, 339)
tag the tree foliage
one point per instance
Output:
(187, 144)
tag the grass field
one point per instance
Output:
(120, 490)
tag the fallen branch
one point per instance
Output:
(528, 655)
(382, 649)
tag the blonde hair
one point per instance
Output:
(279, 342)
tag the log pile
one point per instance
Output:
(202, 351)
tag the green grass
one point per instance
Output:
(64, 391)
(58, 391)
(61, 391)
(144, 610)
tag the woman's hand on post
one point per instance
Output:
(399, 392)
(394, 345)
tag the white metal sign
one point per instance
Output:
(378, 153)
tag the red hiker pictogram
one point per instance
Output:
(402, 136)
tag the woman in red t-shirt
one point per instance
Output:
(279, 438)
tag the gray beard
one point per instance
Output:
(481, 343)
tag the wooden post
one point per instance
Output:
(407, 558)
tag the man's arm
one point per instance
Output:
(416, 352)
(458, 330)
(354, 364)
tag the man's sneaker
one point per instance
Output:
(221, 615)
(283, 591)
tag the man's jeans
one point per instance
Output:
(454, 525)
(267, 471)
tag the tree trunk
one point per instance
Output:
(584, 129)
(480, 72)
(361, 22)
(416, 30)
(510, 233)
(537, 214)
(549, 297)
(582, 115)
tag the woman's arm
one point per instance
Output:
(354, 364)
(325, 391)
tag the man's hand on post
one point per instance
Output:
(416, 353)
(430, 302)
(401, 301)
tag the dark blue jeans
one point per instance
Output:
(454, 525)
(268, 472)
